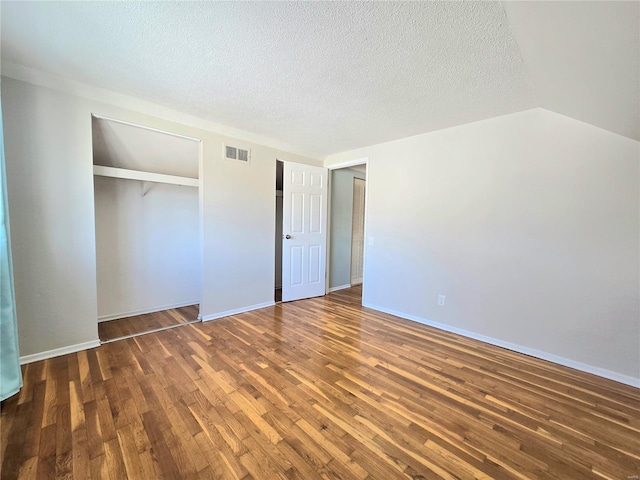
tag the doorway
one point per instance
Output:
(148, 234)
(279, 213)
(347, 228)
(345, 258)
(304, 231)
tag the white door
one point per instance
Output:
(357, 231)
(304, 231)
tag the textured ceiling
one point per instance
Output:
(325, 77)
(322, 76)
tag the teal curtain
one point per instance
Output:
(10, 374)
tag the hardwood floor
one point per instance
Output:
(124, 327)
(320, 388)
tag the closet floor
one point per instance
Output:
(150, 322)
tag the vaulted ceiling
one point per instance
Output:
(332, 76)
(583, 59)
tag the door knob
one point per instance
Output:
(286, 236)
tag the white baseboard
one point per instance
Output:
(340, 287)
(56, 352)
(116, 316)
(601, 372)
(215, 316)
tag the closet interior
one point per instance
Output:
(279, 213)
(147, 224)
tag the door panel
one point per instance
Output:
(315, 215)
(297, 213)
(297, 255)
(314, 264)
(305, 223)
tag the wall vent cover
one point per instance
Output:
(235, 153)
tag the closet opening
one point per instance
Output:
(148, 228)
(279, 214)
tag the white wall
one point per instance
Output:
(528, 223)
(50, 190)
(147, 247)
(341, 225)
(50, 187)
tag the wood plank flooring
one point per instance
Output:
(320, 388)
(123, 327)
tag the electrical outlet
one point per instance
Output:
(441, 300)
(370, 240)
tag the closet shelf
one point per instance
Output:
(124, 173)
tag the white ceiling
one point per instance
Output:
(332, 76)
(583, 59)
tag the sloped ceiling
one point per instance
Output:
(583, 59)
(331, 76)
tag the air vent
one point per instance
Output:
(232, 153)
(235, 153)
